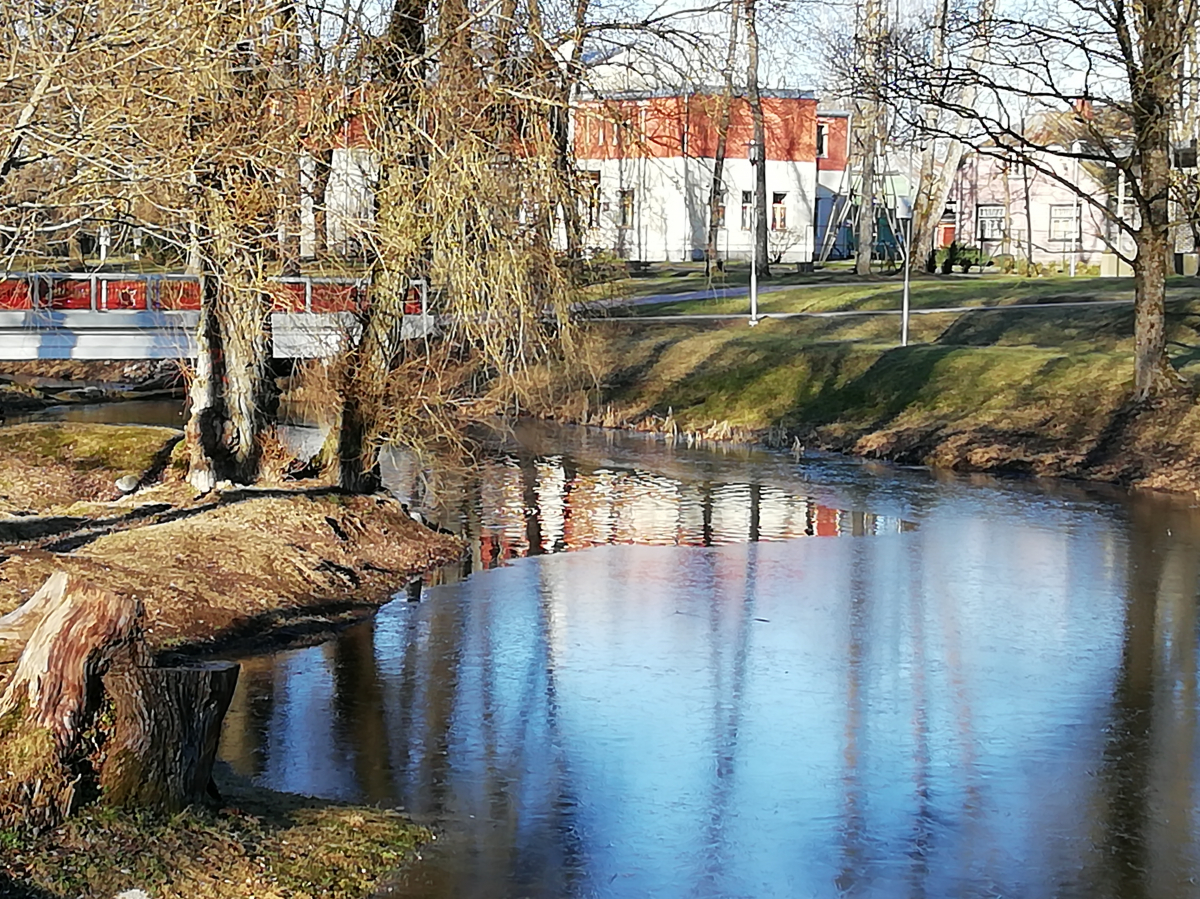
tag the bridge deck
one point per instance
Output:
(122, 316)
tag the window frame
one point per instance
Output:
(626, 207)
(994, 223)
(779, 211)
(1073, 221)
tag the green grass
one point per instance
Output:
(825, 293)
(263, 844)
(1044, 383)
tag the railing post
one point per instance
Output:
(92, 290)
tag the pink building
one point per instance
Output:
(1008, 208)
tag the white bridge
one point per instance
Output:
(116, 315)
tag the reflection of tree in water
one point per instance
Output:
(358, 706)
(249, 717)
(853, 876)
(730, 631)
(472, 739)
(1147, 769)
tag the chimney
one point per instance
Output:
(1083, 109)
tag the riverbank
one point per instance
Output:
(1034, 390)
(240, 571)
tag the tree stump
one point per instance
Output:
(160, 748)
(75, 630)
(155, 750)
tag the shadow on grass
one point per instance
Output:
(15, 889)
(891, 384)
(61, 534)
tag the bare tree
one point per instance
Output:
(725, 112)
(1104, 80)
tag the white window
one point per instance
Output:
(778, 212)
(990, 221)
(1064, 223)
(747, 210)
(822, 140)
(625, 208)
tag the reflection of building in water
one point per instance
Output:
(547, 503)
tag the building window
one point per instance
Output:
(1064, 225)
(591, 194)
(778, 212)
(990, 219)
(600, 133)
(822, 141)
(747, 210)
(625, 209)
(721, 214)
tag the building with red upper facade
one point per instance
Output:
(650, 155)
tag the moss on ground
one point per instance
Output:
(262, 844)
(49, 464)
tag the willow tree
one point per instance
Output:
(463, 118)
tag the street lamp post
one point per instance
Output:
(752, 151)
(1077, 232)
(904, 212)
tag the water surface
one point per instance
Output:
(672, 673)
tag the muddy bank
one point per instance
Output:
(31, 385)
(1033, 407)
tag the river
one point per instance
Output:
(681, 673)
(723, 673)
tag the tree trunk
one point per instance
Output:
(762, 263)
(318, 188)
(205, 422)
(717, 190)
(1153, 374)
(866, 208)
(1153, 84)
(166, 723)
(290, 192)
(156, 748)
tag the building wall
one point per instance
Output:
(663, 150)
(670, 208)
(1028, 211)
(833, 195)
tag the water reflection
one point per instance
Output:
(999, 703)
(521, 505)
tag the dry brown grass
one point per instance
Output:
(49, 464)
(248, 566)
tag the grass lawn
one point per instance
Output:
(1042, 389)
(829, 292)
